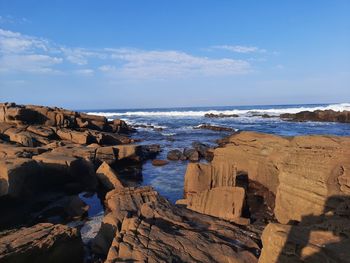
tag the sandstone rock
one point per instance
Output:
(159, 162)
(108, 178)
(324, 242)
(201, 177)
(60, 169)
(303, 172)
(108, 154)
(129, 152)
(75, 136)
(12, 151)
(19, 177)
(224, 202)
(148, 228)
(41, 243)
(175, 155)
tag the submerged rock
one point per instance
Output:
(158, 162)
(214, 128)
(220, 115)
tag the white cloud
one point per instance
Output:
(32, 63)
(145, 64)
(85, 72)
(241, 49)
(19, 52)
(13, 42)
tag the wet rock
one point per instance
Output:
(214, 128)
(191, 154)
(41, 243)
(319, 115)
(108, 177)
(201, 148)
(175, 155)
(220, 115)
(158, 162)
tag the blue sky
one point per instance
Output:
(125, 54)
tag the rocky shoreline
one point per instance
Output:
(259, 198)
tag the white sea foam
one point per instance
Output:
(272, 111)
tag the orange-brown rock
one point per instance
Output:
(158, 162)
(19, 177)
(224, 202)
(41, 243)
(142, 226)
(108, 177)
(321, 239)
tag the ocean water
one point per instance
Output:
(175, 130)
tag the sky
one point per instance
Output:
(160, 53)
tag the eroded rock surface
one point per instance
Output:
(142, 226)
(41, 243)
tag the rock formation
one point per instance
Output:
(303, 180)
(213, 128)
(41, 243)
(318, 115)
(143, 226)
(220, 115)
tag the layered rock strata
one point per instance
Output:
(142, 226)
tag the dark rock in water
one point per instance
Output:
(191, 154)
(213, 128)
(221, 115)
(175, 155)
(143, 226)
(202, 148)
(158, 162)
(41, 243)
(265, 116)
(319, 115)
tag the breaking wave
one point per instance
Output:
(241, 112)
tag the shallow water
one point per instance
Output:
(178, 131)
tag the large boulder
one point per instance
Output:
(19, 177)
(41, 243)
(108, 177)
(143, 226)
(61, 169)
(224, 202)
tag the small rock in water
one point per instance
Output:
(158, 162)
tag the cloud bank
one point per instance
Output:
(34, 55)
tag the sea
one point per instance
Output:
(175, 128)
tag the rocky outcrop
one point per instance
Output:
(143, 226)
(57, 117)
(318, 115)
(108, 177)
(214, 128)
(220, 115)
(303, 180)
(41, 243)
